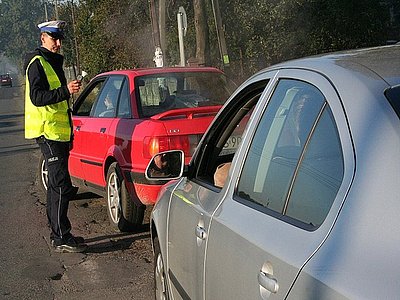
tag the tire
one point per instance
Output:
(42, 174)
(124, 215)
(160, 280)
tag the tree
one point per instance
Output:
(18, 28)
(201, 26)
(113, 34)
(263, 32)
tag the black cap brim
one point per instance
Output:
(56, 35)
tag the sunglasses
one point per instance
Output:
(54, 38)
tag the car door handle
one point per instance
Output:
(268, 282)
(77, 128)
(102, 130)
(201, 232)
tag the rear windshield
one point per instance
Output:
(393, 95)
(162, 92)
(5, 76)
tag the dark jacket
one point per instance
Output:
(39, 86)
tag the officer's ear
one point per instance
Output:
(42, 35)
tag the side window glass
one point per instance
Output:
(124, 107)
(320, 174)
(84, 107)
(274, 174)
(106, 104)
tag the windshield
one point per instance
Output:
(162, 92)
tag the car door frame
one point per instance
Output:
(75, 160)
(190, 210)
(228, 204)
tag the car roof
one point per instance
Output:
(382, 61)
(151, 71)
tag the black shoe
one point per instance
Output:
(70, 245)
(78, 240)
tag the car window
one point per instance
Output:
(84, 106)
(124, 106)
(294, 166)
(106, 104)
(162, 92)
(226, 135)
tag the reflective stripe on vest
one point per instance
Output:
(52, 121)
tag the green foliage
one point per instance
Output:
(112, 34)
(18, 28)
(115, 34)
(266, 32)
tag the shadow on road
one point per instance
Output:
(115, 242)
(85, 196)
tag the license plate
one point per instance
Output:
(233, 143)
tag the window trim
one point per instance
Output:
(246, 98)
(82, 97)
(302, 155)
(107, 79)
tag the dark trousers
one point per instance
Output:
(56, 155)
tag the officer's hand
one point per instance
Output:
(74, 86)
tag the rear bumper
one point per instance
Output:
(142, 189)
(147, 194)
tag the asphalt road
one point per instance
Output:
(116, 266)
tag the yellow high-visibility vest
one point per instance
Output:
(52, 121)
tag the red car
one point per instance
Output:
(122, 118)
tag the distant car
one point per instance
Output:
(293, 192)
(5, 80)
(123, 118)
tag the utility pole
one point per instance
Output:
(220, 33)
(161, 17)
(78, 67)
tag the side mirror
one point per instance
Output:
(166, 165)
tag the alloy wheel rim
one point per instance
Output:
(113, 199)
(45, 175)
(160, 279)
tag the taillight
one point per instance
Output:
(186, 143)
(153, 145)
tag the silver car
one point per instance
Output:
(294, 190)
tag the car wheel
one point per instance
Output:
(43, 174)
(123, 213)
(160, 280)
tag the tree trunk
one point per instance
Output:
(202, 43)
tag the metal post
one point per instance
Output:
(161, 25)
(75, 40)
(182, 26)
(45, 11)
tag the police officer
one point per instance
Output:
(47, 119)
